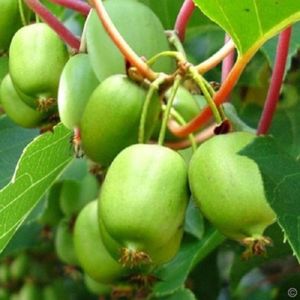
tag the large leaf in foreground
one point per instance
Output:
(180, 294)
(173, 275)
(250, 22)
(13, 140)
(281, 176)
(40, 164)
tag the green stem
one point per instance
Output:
(154, 86)
(175, 41)
(164, 124)
(37, 18)
(22, 14)
(177, 116)
(203, 87)
(209, 88)
(174, 54)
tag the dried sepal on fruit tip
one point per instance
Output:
(133, 258)
(255, 246)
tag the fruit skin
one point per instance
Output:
(94, 259)
(76, 194)
(64, 244)
(111, 118)
(10, 21)
(18, 111)
(140, 206)
(141, 29)
(30, 292)
(95, 287)
(19, 267)
(228, 187)
(76, 84)
(38, 77)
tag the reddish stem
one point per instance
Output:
(228, 61)
(120, 42)
(76, 5)
(219, 98)
(199, 138)
(276, 81)
(183, 18)
(54, 23)
(216, 58)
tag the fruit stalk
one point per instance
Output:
(175, 41)
(219, 97)
(21, 10)
(276, 81)
(181, 121)
(154, 86)
(216, 58)
(120, 42)
(200, 82)
(200, 137)
(54, 23)
(183, 18)
(76, 5)
(167, 112)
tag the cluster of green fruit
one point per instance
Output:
(29, 275)
(137, 222)
(71, 218)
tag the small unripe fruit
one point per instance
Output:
(18, 111)
(30, 291)
(38, 77)
(140, 205)
(111, 118)
(94, 258)
(141, 29)
(10, 21)
(64, 244)
(19, 267)
(76, 84)
(228, 188)
(95, 287)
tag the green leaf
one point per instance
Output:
(13, 139)
(203, 41)
(180, 294)
(167, 11)
(238, 124)
(281, 176)
(250, 22)
(194, 222)
(26, 237)
(40, 164)
(173, 274)
(286, 123)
